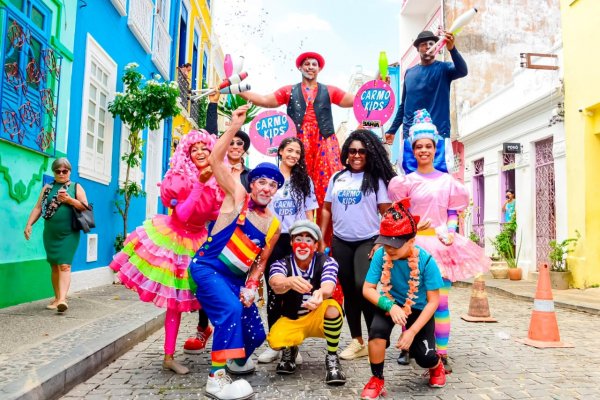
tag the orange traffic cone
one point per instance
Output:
(543, 328)
(479, 308)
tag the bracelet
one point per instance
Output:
(385, 304)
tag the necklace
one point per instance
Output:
(413, 281)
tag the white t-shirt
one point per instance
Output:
(355, 215)
(285, 208)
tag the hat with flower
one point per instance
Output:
(422, 127)
(398, 225)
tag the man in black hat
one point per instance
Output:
(427, 85)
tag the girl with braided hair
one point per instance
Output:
(155, 257)
(358, 191)
(295, 200)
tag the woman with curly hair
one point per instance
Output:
(156, 255)
(295, 200)
(358, 191)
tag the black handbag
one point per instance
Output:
(83, 220)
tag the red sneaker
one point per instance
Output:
(437, 376)
(374, 389)
(196, 344)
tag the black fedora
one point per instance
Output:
(424, 37)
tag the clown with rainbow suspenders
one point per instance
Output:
(228, 266)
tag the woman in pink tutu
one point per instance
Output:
(438, 198)
(156, 255)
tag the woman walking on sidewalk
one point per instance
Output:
(438, 198)
(55, 204)
(155, 257)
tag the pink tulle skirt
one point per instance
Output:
(154, 262)
(463, 259)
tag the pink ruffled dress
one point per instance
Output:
(431, 196)
(155, 258)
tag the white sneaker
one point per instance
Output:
(354, 350)
(235, 369)
(221, 387)
(269, 355)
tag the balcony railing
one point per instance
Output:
(194, 111)
(160, 46)
(140, 21)
(184, 90)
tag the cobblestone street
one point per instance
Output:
(488, 364)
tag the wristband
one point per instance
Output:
(385, 304)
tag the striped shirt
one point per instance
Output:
(330, 270)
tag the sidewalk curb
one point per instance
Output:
(509, 294)
(82, 362)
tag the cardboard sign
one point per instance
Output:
(374, 104)
(268, 129)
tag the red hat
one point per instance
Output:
(398, 225)
(310, 54)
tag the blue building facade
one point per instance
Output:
(108, 36)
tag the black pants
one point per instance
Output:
(281, 249)
(353, 261)
(422, 348)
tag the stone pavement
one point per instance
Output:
(44, 353)
(488, 364)
(587, 300)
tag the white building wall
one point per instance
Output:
(519, 113)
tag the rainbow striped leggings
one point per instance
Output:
(442, 320)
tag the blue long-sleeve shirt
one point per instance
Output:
(428, 86)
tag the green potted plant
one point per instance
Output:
(143, 104)
(560, 276)
(506, 248)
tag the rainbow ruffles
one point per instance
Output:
(154, 262)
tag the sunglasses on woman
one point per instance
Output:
(236, 143)
(61, 171)
(354, 152)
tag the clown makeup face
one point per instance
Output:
(290, 154)
(304, 246)
(263, 190)
(400, 253)
(426, 59)
(424, 151)
(199, 155)
(310, 69)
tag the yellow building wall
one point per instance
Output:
(199, 21)
(580, 21)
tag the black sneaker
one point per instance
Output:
(287, 364)
(335, 376)
(447, 364)
(404, 358)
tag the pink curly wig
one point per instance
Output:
(181, 161)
